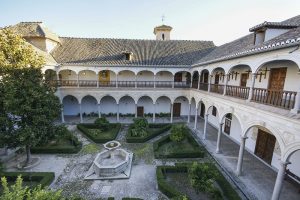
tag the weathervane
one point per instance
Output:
(163, 18)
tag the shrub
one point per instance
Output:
(102, 123)
(139, 128)
(178, 132)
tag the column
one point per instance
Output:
(173, 83)
(225, 85)
(57, 79)
(296, 108)
(241, 156)
(135, 111)
(279, 180)
(198, 82)
(209, 82)
(189, 114)
(153, 112)
(99, 111)
(219, 138)
(196, 118)
(205, 125)
(81, 119)
(171, 113)
(116, 80)
(78, 79)
(191, 84)
(118, 118)
(62, 116)
(135, 83)
(253, 77)
(97, 79)
(154, 81)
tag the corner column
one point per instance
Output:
(296, 108)
(171, 120)
(189, 114)
(198, 82)
(225, 85)
(135, 81)
(116, 80)
(154, 81)
(173, 83)
(209, 83)
(241, 156)
(196, 118)
(219, 138)
(80, 111)
(205, 126)
(153, 116)
(253, 77)
(279, 180)
(99, 110)
(118, 114)
(78, 79)
(135, 111)
(62, 116)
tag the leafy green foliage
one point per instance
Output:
(203, 177)
(28, 106)
(18, 192)
(140, 126)
(178, 133)
(102, 123)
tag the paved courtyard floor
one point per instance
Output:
(257, 180)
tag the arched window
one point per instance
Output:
(163, 36)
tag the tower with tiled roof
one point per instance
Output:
(162, 32)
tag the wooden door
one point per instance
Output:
(265, 144)
(176, 109)
(244, 78)
(140, 111)
(277, 78)
(104, 76)
(202, 112)
(178, 77)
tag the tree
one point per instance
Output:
(102, 123)
(140, 126)
(178, 133)
(28, 105)
(18, 192)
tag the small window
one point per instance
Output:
(128, 55)
(214, 111)
(163, 36)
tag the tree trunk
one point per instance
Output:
(28, 154)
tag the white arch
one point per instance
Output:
(273, 130)
(126, 96)
(123, 70)
(164, 70)
(233, 114)
(81, 98)
(141, 96)
(63, 97)
(289, 150)
(163, 96)
(108, 95)
(236, 65)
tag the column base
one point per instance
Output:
(295, 111)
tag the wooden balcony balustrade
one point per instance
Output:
(216, 88)
(237, 91)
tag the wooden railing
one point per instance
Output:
(216, 88)
(277, 98)
(130, 84)
(203, 86)
(107, 83)
(237, 91)
(163, 84)
(87, 83)
(183, 84)
(145, 84)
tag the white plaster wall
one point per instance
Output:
(213, 120)
(295, 163)
(240, 70)
(164, 76)
(126, 105)
(163, 105)
(108, 105)
(251, 141)
(50, 45)
(126, 76)
(160, 33)
(89, 105)
(88, 75)
(70, 106)
(147, 103)
(272, 33)
(235, 129)
(184, 105)
(66, 76)
(145, 76)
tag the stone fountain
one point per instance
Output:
(112, 163)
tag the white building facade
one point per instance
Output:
(248, 89)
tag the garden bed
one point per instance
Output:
(188, 148)
(65, 145)
(174, 182)
(152, 131)
(30, 179)
(97, 135)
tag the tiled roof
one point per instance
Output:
(34, 29)
(97, 51)
(273, 25)
(245, 45)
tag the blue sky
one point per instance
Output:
(218, 20)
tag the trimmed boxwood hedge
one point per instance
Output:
(84, 128)
(43, 178)
(128, 198)
(161, 128)
(197, 153)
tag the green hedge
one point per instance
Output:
(128, 198)
(163, 186)
(161, 128)
(67, 149)
(114, 127)
(197, 153)
(43, 178)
